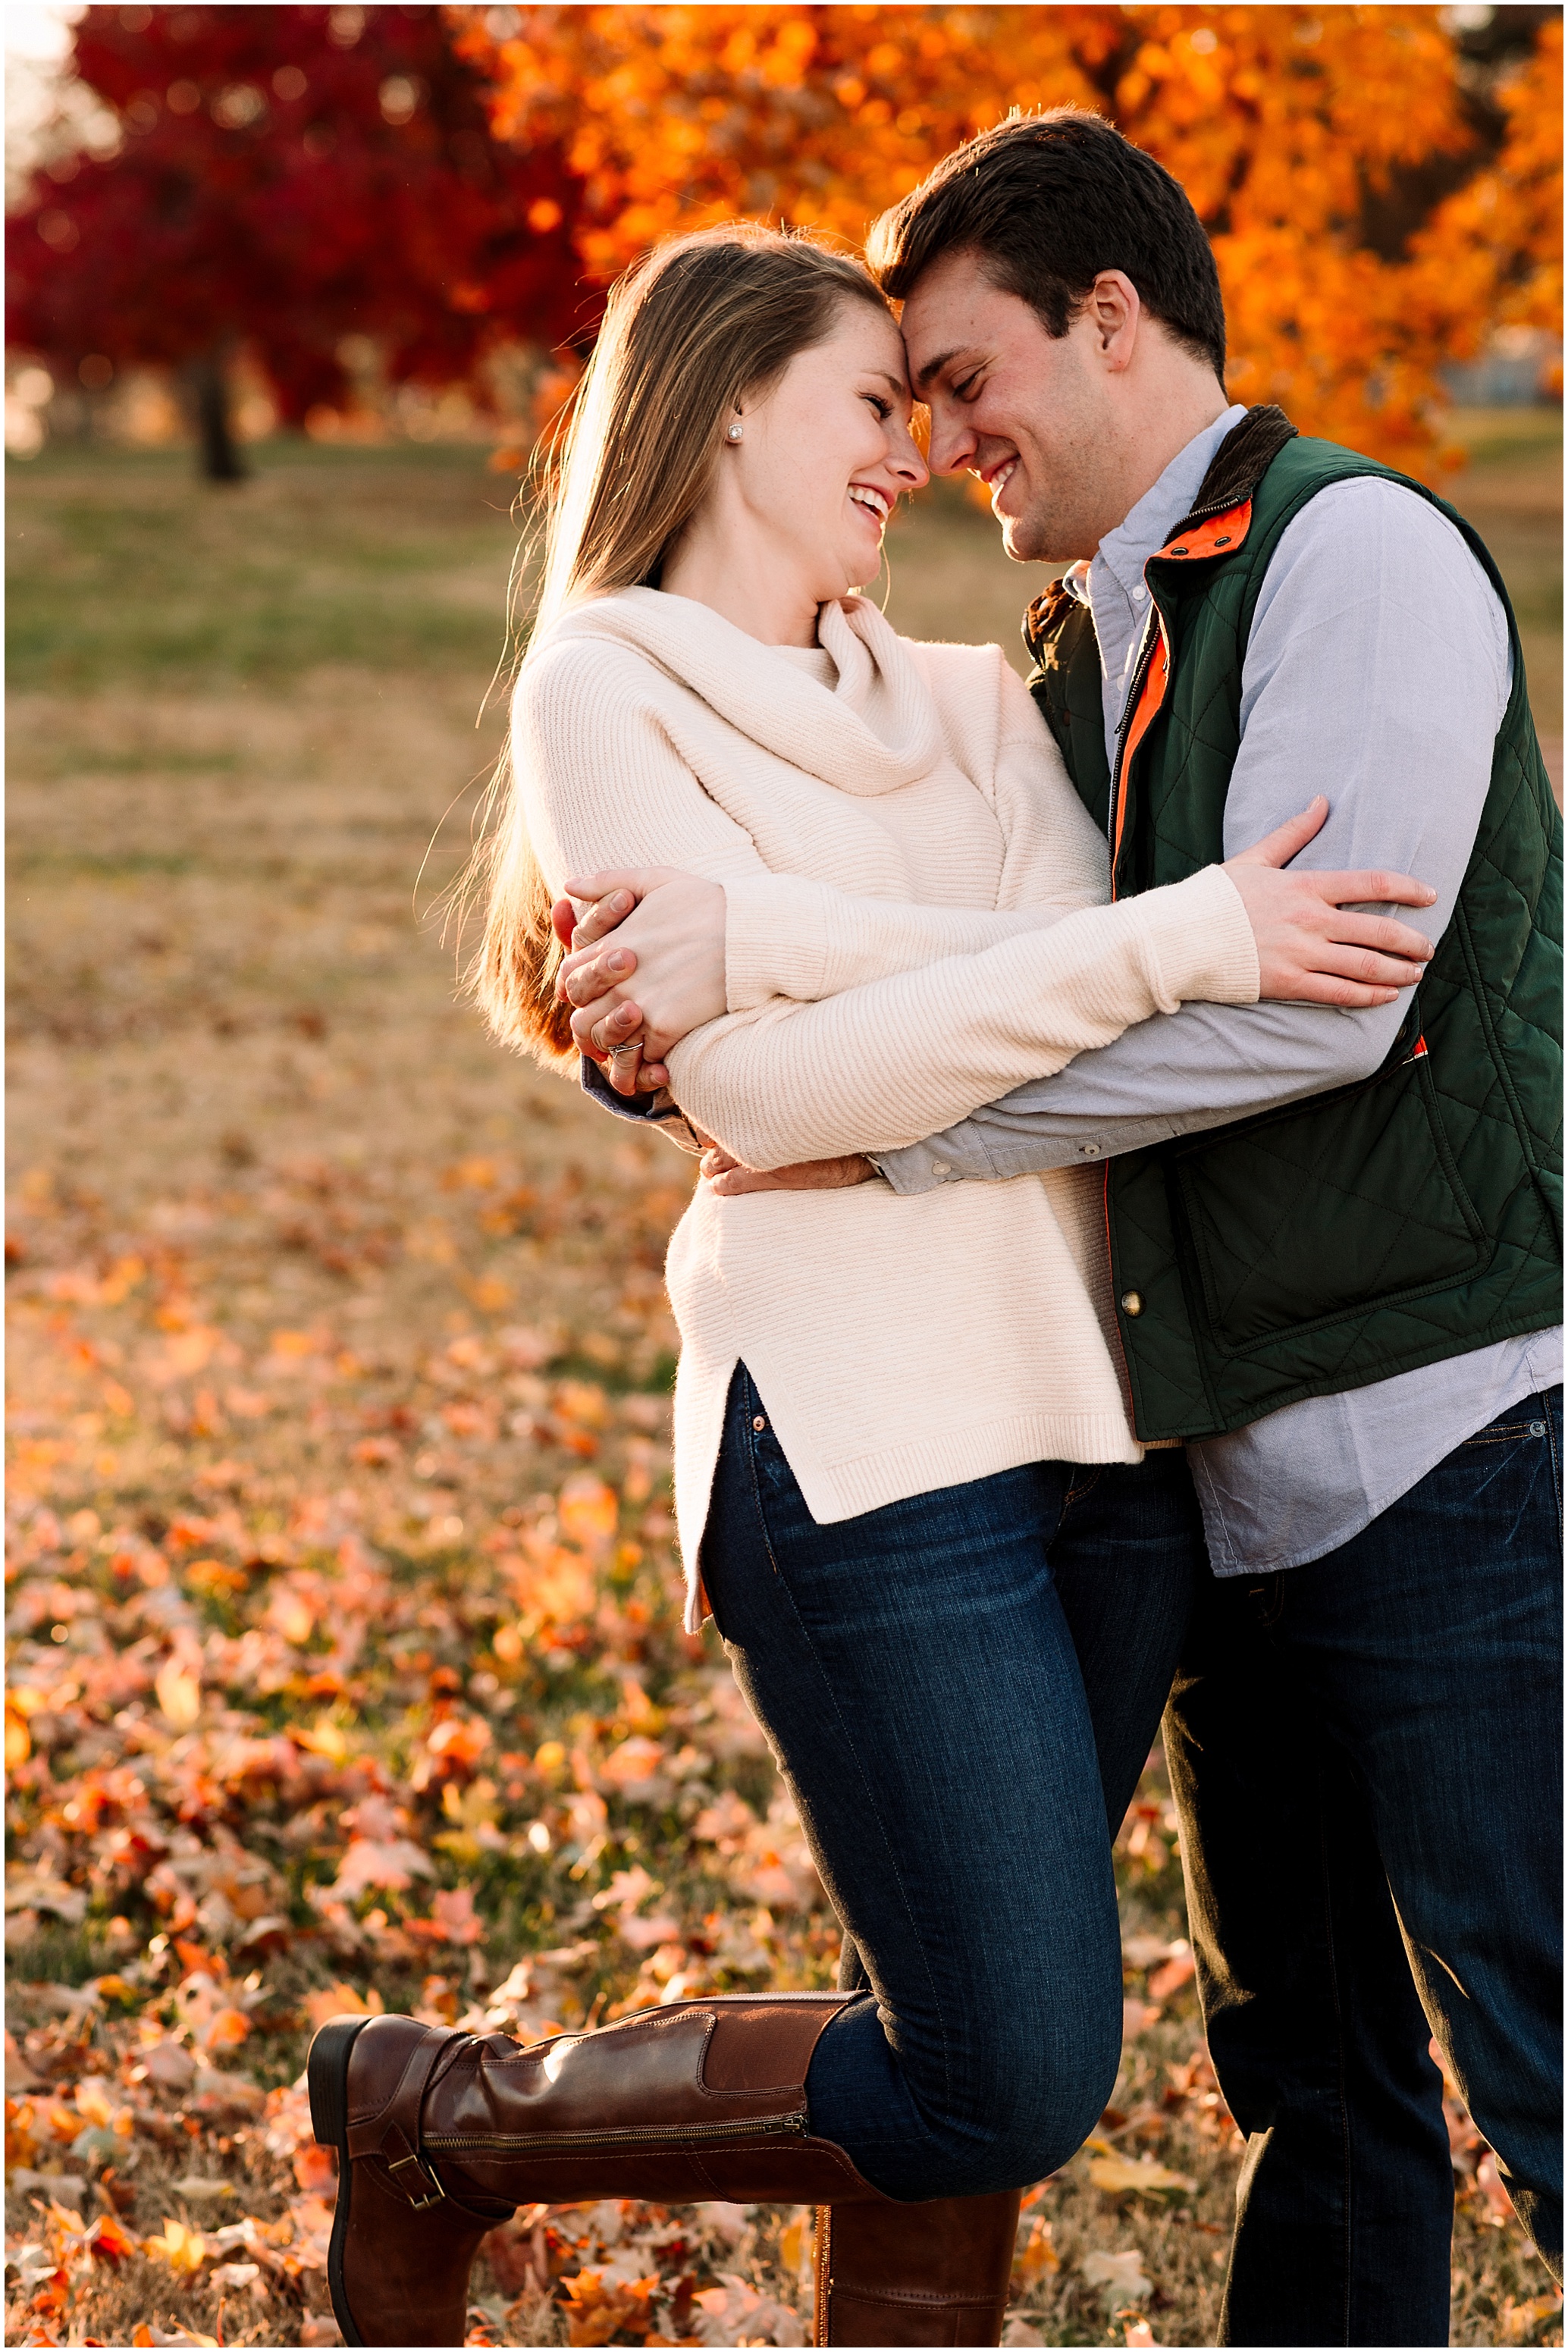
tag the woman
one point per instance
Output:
(887, 1409)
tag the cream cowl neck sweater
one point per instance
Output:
(917, 921)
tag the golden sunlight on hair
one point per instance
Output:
(690, 333)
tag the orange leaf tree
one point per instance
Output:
(1500, 237)
(1305, 135)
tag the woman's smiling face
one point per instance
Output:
(824, 456)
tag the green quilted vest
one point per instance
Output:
(1387, 1225)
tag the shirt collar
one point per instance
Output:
(1124, 550)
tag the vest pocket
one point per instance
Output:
(1308, 1217)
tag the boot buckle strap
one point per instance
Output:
(426, 2176)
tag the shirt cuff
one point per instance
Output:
(925, 1166)
(660, 1110)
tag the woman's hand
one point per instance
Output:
(1311, 947)
(669, 930)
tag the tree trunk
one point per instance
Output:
(220, 458)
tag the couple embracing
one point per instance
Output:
(1124, 1279)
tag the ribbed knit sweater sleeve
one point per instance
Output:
(951, 999)
(604, 779)
(786, 935)
(866, 1070)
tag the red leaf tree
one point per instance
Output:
(287, 177)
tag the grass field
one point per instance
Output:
(346, 1668)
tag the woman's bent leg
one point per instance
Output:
(1127, 1559)
(915, 1674)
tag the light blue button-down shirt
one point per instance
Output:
(1377, 671)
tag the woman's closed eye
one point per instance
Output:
(884, 408)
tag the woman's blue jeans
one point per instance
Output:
(959, 1691)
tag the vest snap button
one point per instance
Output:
(1131, 1302)
(758, 1424)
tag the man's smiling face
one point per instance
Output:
(1023, 410)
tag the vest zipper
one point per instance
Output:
(1199, 515)
(1130, 704)
(1215, 506)
(793, 2126)
(1145, 648)
(1151, 625)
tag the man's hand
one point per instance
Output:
(725, 1173)
(669, 932)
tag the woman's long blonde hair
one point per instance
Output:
(689, 333)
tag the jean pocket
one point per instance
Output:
(780, 1505)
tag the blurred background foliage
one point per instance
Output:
(299, 212)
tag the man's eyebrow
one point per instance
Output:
(934, 367)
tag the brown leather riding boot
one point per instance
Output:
(930, 2273)
(441, 2134)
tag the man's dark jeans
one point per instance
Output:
(933, 1678)
(1366, 1753)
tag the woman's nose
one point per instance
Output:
(910, 466)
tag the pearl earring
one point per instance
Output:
(732, 431)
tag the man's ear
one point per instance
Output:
(1114, 308)
(563, 914)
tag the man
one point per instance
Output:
(1334, 1235)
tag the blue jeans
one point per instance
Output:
(1366, 1753)
(959, 1690)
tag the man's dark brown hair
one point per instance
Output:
(1048, 201)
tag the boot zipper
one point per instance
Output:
(793, 2126)
(824, 2330)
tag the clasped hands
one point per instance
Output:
(1314, 946)
(669, 933)
(669, 930)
